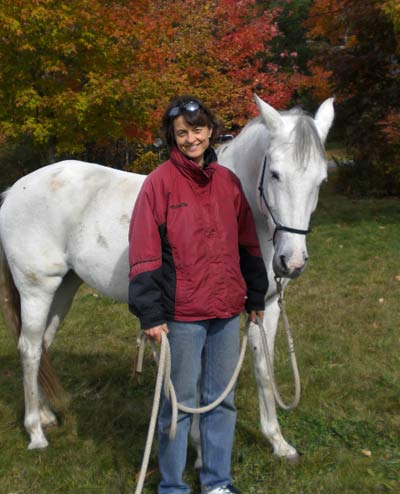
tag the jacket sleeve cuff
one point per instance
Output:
(150, 319)
(257, 305)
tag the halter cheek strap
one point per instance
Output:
(278, 225)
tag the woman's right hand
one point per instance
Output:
(155, 333)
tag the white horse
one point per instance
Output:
(67, 223)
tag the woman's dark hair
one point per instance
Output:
(200, 116)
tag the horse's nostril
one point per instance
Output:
(283, 262)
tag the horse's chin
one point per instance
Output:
(296, 273)
(290, 274)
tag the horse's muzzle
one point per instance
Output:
(285, 269)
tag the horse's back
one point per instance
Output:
(72, 215)
(66, 177)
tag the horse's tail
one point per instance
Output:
(10, 306)
(9, 296)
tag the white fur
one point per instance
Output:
(68, 222)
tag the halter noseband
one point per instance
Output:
(278, 226)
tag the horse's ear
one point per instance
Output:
(324, 118)
(271, 117)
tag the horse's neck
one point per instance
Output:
(245, 154)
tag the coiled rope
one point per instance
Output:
(164, 380)
(292, 355)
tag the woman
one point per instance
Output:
(195, 263)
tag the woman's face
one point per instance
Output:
(192, 141)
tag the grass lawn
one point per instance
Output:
(345, 313)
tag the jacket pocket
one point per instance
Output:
(237, 287)
(184, 287)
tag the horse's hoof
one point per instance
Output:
(48, 425)
(47, 418)
(285, 451)
(38, 444)
(48, 422)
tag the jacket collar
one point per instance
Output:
(191, 170)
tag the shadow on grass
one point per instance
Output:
(105, 404)
(107, 409)
(108, 404)
(11, 392)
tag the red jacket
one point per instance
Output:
(193, 244)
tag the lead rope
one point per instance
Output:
(163, 361)
(293, 361)
(163, 377)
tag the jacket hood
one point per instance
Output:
(190, 169)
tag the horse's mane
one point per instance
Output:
(3, 197)
(305, 136)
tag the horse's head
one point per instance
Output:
(290, 177)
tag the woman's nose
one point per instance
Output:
(190, 137)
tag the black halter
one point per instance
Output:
(278, 226)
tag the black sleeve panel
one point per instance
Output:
(145, 298)
(255, 275)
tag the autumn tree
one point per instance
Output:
(391, 122)
(392, 9)
(54, 74)
(77, 75)
(219, 50)
(355, 46)
(292, 38)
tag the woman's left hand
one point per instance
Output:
(256, 313)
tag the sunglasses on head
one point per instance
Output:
(190, 106)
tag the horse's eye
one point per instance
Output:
(275, 175)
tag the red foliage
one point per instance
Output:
(87, 71)
(218, 50)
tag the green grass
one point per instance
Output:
(345, 314)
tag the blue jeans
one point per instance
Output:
(212, 347)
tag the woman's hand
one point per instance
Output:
(155, 333)
(256, 313)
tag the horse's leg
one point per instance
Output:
(195, 437)
(268, 417)
(36, 300)
(60, 306)
(195, 432)
(47, 417)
